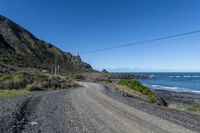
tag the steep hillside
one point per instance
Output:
(18, 47)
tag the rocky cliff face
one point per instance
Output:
(18, 47)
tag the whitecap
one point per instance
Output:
(176, 89)
(174, 76)
(191, 76)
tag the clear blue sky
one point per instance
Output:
(82, 25)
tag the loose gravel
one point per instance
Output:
(92, 108)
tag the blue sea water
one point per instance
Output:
(180, 82)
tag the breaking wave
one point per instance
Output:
(178, 89)
(185, 76)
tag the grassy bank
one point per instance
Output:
(13, 83)
(9, 92)
(133, 87)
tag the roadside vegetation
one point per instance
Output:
(135, 88)
(12, 83)
(78, 77)
(9, 92)
(194, 108)
(12, 80)
(108, 81)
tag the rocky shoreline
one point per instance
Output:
(102, 76)
(178, 100)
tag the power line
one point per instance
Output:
(141, 42)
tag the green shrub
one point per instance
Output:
(52, 83)
(14, 76)
(108, 81)
(35, 87)
(5, 76)
(69, 82)
(35, 81)
(78, 77)
(194, 108)
(137, 86)
(14, 80)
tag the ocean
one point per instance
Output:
(179, 82)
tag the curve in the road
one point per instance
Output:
(90, 109)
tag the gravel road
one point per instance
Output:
(92, 108)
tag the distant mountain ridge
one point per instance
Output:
(18, 47)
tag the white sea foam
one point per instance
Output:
(195, 91)
(185, 76)
(174, 76)
(191, 76)
(166, 87)
(177, 89)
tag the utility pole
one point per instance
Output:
(58, 71)
(55, 69)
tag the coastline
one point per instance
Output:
(178, 100)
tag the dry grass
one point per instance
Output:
(52, 83)
(125, 91)
(9, 92)
(136, 88)
(12, 83)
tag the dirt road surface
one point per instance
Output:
(91, 108)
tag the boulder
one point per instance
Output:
(161, 102)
